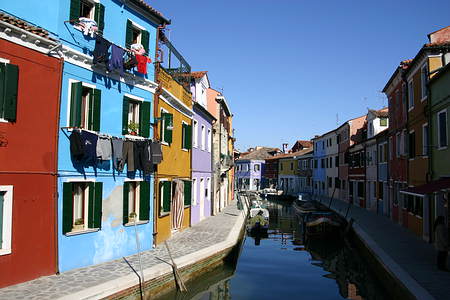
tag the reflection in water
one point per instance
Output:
(315, 269)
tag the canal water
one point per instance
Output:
(286, 266)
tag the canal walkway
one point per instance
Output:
(207, 238)
(409, 258)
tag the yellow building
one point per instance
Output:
(231, 141)
(173, 111)
(287, 174)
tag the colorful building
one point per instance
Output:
(357, 168)
(202, 173)
(29, 77)
(250, 168)
(174, 111)
(319, 171)
(287, 174)
(395, 91)
(304, 165)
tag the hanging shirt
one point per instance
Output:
(104, 148)
(116, 61)
(101, 53)
(90, 146)
(142, 63)
(76, 145)
(156, 153)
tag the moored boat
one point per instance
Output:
(322, 223)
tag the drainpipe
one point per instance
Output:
(157, 63)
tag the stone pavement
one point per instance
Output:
(204, 235)
(404, 253)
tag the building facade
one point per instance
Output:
(28, 185)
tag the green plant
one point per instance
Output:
(79, 221)
(133, 215)
(134, 127)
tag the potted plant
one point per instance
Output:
(79, 224)
(133, 128)
(132, 217)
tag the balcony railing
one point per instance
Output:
(174, 63)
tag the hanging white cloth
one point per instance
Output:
(177, 205)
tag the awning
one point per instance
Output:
(428, 188)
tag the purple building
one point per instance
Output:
(202, 171)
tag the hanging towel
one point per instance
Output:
(142, 63)
(156, 152)
(117, 148)
(104, 150)
(141, 157)
(76, 145)
(116, 61)
(101, 53)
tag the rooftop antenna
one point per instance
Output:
(337, 119)
(220, 89)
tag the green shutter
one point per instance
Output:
(168, 133)
(67, 214)
(96, 108)
(2, 88)
(126, 189)
(144, 201)
(100, 16)
(91, 204)
(188, 136)
(129, 34)
(167, 193)
(1, 218)
(144, 119)
(187, 192)
(75, 7)
(10, 91)
(125, 115)
(145, 37)
(75, 104)
(98, 205)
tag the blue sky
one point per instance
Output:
(290, 68)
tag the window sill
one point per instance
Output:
(89, 230)
(442, 148)
(185, 150)
(423, 99)
(164, 143)
(5, 251)
(410, 109)
(164, 214)
(3, 121)
(137, 223)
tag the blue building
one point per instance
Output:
(319, 166)
(97, 207)
(249, 168)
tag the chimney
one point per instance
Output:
(284, 147)
(440, 36)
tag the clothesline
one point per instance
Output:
(97, 34)
(105, 135)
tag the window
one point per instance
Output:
(383, 122)
(412, 144)
(136, 116)
(424, 81)
(209, 140)
(315, 164)
(256, 167)
(390, 148)
(410, 95)
(442, 128)
(397, 145)
(87, 9)
(203, 138)
(281, 166)
(208, 187)
(337, 183)
(82, 206)
(292, 166)
(336, 161)
(6, 202)
(186, 135)
(425, 139)
(322, 163)
(136, 34)
(330, 182)
(194, 191)
(9, 79)
(202, 190)
(136, 201)
(166, 127)
(360, 189)
(85, 103)
(165, 194)
(195, 134)
(326, 163)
